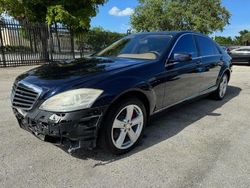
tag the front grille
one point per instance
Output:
(24, 95)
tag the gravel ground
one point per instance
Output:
(204, 143)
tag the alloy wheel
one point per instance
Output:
(223, 86)
(127, 126)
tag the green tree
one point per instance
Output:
(204, 16)
(242, 39)
(246, 39)
(224, 40)
(97, 38)
(74, 13)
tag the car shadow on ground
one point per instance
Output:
(164, 125)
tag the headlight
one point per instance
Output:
(71, 100)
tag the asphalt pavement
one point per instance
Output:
(204, 143)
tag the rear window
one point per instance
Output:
(206, 46)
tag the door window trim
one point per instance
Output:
(176, 42)
(196, 46)
(215, 46)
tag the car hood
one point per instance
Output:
(58, 74)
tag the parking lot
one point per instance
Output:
(204, 143)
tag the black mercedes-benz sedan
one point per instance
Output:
(107, 98)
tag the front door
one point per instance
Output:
(182, 79)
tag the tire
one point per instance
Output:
(123, 126)
(220, 93)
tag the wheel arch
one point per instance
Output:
(225, 71)
(135, 93)
(228, 72)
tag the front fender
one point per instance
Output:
(116, 88)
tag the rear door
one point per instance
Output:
(211, 61)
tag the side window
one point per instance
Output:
(243, 49)
(206, 46)
(216, 48)
(186, 44)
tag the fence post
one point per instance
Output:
(19, 42)
(34, 30)
(30, 39)
(50, 43)
(2, 47)
(72, 43)
(57, 38)
(44, 39)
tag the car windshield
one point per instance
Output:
(138, 47)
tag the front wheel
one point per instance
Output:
(220, 93)
(123, 126)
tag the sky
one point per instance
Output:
(115, 16)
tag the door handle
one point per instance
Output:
(220, 63)
(198, 62)
(172, 64)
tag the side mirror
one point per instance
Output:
(181, 57)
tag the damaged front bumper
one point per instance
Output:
(73, 129)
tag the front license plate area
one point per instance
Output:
(36, 129)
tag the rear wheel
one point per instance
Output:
(220, 93)
(123, 126)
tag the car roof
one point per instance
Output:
(172, 33)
